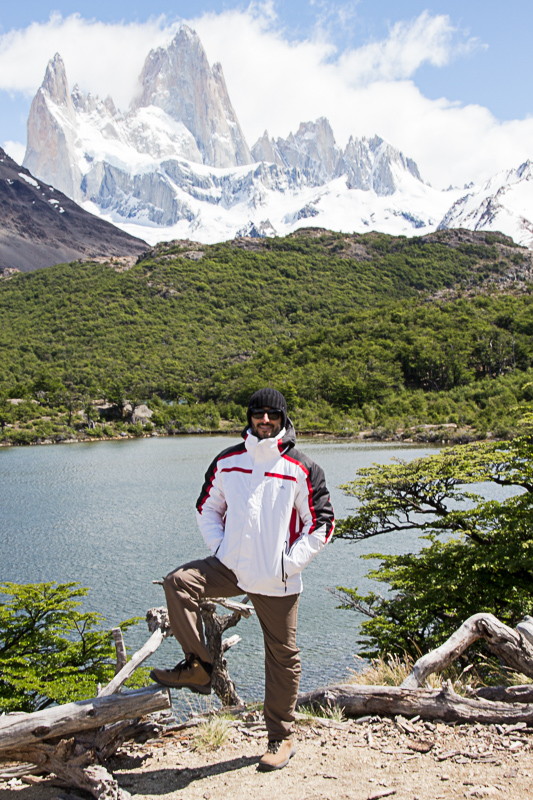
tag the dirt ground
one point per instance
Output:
(363, 759)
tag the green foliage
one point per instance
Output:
(354, 329)
(480, 552)
(50, 652)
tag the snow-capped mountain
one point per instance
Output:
(176, 163)
(368, 164)
(504, 203)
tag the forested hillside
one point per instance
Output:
(361, 332)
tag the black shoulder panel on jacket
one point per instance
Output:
(319, 497)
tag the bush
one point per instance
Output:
(480, 552)
(49, 651)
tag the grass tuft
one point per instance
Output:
(330, 711)
(392, 670)
(211, 734)
(383, 671)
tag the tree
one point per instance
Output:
(49, 651)
(480, 552)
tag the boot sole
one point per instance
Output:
(193, 687)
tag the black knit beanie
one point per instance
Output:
(271, 398)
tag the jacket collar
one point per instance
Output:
(281, 443)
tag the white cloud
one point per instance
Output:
(409, 45)
(101, 58)
(16, 150)
(276, 83)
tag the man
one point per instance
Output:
(264, 512)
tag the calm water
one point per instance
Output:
(117, 515)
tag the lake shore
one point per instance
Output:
(448, 433)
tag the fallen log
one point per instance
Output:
(74, 740)
(83, 715)
(74, 765)
(506, 694)
(431, 704)
(96, 727)
(512, 646)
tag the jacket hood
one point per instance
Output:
(288, 439)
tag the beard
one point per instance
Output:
(265, 430)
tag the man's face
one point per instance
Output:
(262, 426)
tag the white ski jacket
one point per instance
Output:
(265, 512)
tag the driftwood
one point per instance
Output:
(512, 646)
(489, 705)
(72, 741)
(430, 704)
(214, 626)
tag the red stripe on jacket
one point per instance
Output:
(309, 490)
(209, 487)
(279, 475)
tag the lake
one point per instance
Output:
(117, 515)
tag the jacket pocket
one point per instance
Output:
(283, 572)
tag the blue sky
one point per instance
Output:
(447, 82)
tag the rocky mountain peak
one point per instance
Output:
(368, 164)
(50, 142)
(265, 149)
(525, 171)
(141, 166)
(55, 84)
(179, 80)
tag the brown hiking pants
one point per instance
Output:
(198, 580)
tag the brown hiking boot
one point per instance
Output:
(191, 673)
(277, 755)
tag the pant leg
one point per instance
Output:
(184, 589)
(278, 618)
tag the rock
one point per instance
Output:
(179, 80)
(41, 226)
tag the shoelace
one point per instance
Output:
(273, 747)
(181, 666)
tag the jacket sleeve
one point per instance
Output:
(211, 508)
(313, 504)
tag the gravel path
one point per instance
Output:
(360, 760)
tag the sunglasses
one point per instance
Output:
(272, 413)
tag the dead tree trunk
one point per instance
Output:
(511, 646)
(431, 704)
(214, 627)
(95, 727)
(74, 766)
